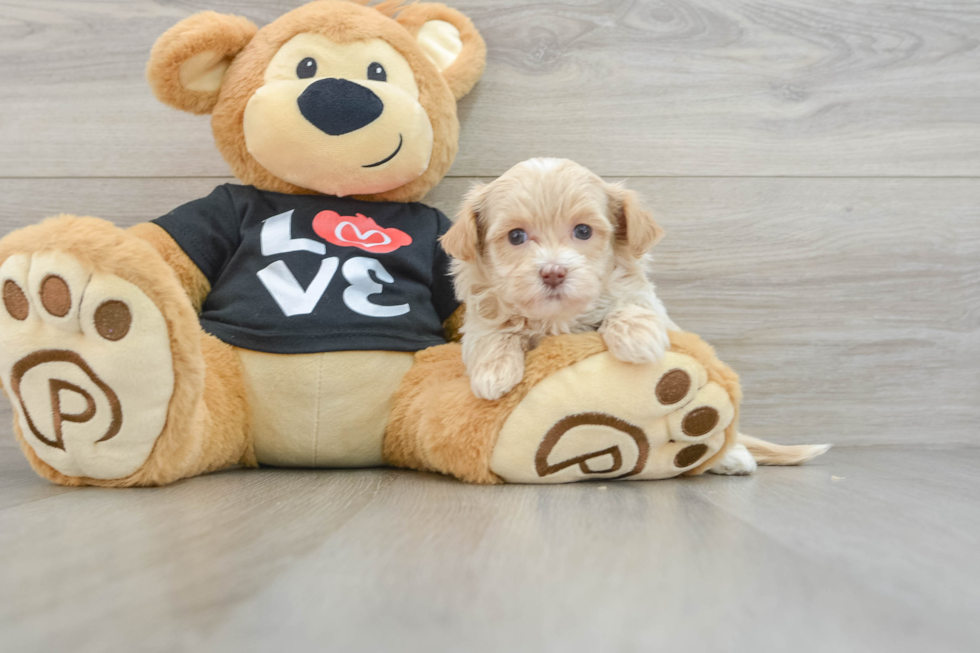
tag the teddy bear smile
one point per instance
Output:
(388, 158)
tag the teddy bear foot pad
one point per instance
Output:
(86, 360)
(641, 422)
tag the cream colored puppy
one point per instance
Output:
(550, 248)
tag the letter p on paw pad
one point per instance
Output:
(86, 359)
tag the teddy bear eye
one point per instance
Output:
(517, 236)
(376, 72)
(306, 68)
(583, 231)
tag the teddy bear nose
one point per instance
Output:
(553, 275)
(339, 106)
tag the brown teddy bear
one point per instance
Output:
(294, 320)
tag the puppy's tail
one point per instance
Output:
(767, 453)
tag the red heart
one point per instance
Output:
(358, 231)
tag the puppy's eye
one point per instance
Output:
(377, 72)
(517, 236)
(306, 68)
(583, 231)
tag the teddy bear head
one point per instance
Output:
(334, 97)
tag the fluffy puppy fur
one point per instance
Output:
(551, 248)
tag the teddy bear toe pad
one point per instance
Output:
(85, 358)
(639, 422)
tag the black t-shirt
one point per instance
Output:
(295, 274)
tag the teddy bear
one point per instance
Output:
(299, 319)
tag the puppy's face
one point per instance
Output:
(546, 234)
(547, 239)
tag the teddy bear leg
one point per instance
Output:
(578, 414)
(112, 381)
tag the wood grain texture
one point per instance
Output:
(850, 307)
(649, 87)
(868, 550)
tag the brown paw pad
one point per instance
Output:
(689, 455)
(700, 421)
(55, 295)
(673, 387)
(15, 301)
(113, 319)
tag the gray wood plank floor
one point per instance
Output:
(872, 549)
(817, 167)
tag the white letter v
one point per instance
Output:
(278, 279)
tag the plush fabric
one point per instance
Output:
(209, 41)
(206, 424)
(93, 404)
(467, 68)
(346, 22)
(190, 276)
(438, 425)
(312, 422)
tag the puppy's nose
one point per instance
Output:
(339, 106)
(553, 275)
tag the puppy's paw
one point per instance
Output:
(494, 378)
(737, 461)
(636, 335)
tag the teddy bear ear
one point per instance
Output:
(450, 40)
(188, 63)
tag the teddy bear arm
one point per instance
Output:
(193, 281)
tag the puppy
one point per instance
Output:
(550, 248)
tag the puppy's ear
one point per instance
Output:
(450, 40)
(634, 225)
(188, 63)
(462, 241)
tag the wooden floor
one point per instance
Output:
(816, 164)
(872, 549)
